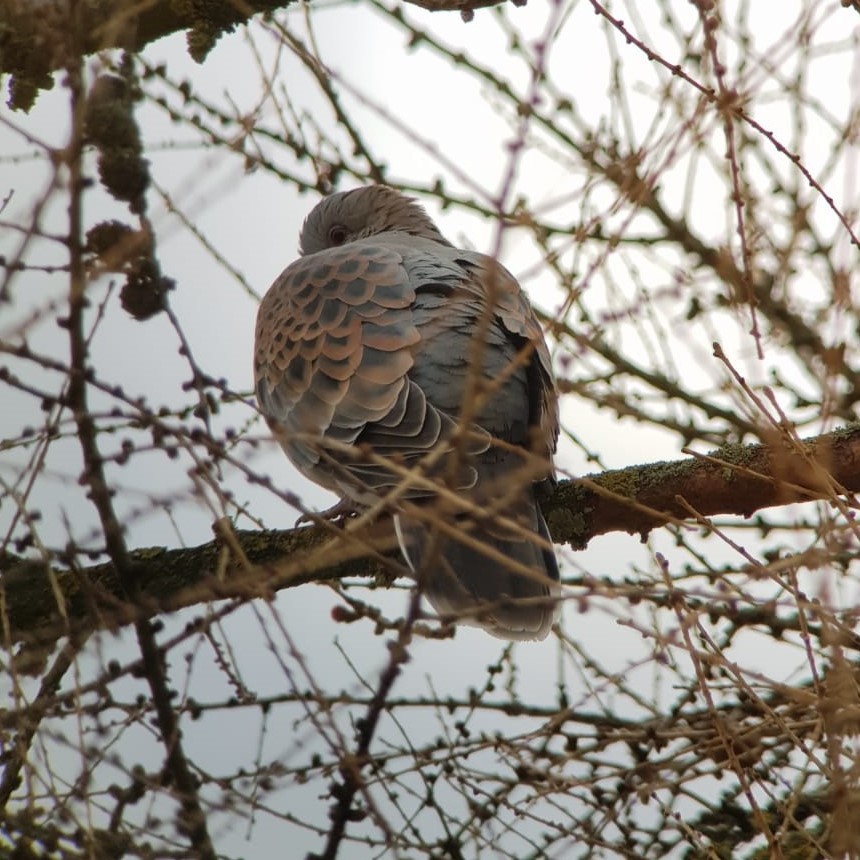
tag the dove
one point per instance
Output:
(400, 371)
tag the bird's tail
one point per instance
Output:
(503, 581)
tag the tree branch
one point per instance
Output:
(734, 480)
(33, 40)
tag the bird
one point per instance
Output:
(398, 370)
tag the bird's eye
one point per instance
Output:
(337, 234)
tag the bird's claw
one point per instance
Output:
(343, 510)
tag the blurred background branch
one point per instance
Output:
(32, 44)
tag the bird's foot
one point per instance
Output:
(343, 510)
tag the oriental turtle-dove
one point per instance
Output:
(395, 367)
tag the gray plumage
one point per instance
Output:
(370, 348)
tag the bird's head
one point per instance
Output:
(368, 211)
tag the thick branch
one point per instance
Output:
(33, 40)
(736, 480)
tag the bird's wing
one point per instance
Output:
(492, 287)
(518, 317)
(335, 342)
